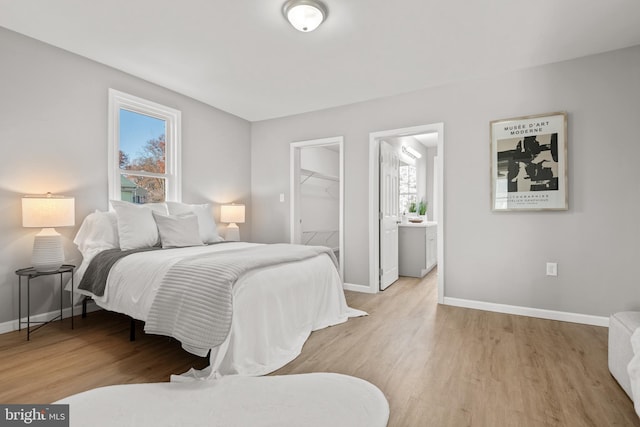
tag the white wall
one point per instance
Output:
(321, 160)
(53, 137)
(496, 257)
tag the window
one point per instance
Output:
(144, 150)
(408, 188)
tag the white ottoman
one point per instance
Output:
(621, 327)
(309, 400)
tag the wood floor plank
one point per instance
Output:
(437, 365)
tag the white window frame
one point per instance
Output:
(173, 166)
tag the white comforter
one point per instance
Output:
(275, 308)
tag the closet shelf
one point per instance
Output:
(309, 235)
(312, 174)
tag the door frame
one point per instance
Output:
(294, 189)
(374, 201)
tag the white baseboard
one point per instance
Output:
(528, 311)
(12, 325)
(357, 288)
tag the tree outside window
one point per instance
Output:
(138, 154)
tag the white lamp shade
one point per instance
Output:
(48, 211)
(232, 213)
(305, 15)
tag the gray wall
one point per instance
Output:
(496, 257)
(53, 134)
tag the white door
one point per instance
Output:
(389, 216)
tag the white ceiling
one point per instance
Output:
(243, 57)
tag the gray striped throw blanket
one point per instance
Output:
(194, 303)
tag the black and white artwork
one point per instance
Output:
(528, 158)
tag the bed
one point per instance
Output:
(274, 307)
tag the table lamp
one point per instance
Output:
(232, 214)
(46, 212)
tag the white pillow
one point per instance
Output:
(160, 207)
(98, 232)
(178, 231)
(136, 226)
(206, 222)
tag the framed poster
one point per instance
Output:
(529, 163)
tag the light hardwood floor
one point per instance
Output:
(437, 365)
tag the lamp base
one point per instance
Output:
(233, 233)
(48, 254)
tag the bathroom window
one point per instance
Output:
(408, 187)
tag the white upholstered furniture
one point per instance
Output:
(309, 400)
(621, 326)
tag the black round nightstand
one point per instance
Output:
(32, 273)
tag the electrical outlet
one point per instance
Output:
(281, 197)
(552, 269)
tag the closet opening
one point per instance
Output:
(317, 194)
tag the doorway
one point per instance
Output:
(317, 194)
(435, 134)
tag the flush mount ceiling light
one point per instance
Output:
(305, 15)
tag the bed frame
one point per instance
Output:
(132, 324)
